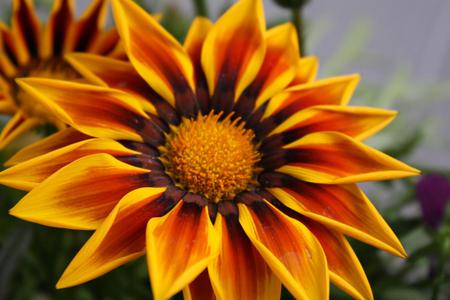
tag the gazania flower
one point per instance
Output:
(28, 49)
(221, 160)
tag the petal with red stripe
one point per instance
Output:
(119, 239)
(56, 30)
(93, 110)
(27, 175)
(180, 245)
(200, 288)
(357, 122)
(156, 55)
(82, 194)
(344, 208)
(233, 52)
(55, 141)
(16, 126)
(330, 91)
(307, 68)
(193, 45)
(279, 66)
(82, 34)
(345, 269)
(240, 272)
(334, 158)
(113, 73)
(25, 28)
(289, 248)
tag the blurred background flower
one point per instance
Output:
(433, 193)
(402, 50)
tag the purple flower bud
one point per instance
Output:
(433, 192)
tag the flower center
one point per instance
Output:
(211, 157)
(53, 69)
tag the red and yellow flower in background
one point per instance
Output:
(29, 49)
(221, 159)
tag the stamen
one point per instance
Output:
(212, 157)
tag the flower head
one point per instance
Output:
(221, 159)
(29, 50)
(433, 192)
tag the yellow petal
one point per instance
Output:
(82, 194)
(289, 248)
(93, 110)
(334, 158)
(240, 272)
(234, 49)
(307, 68)
(180, 245)
(29, 174)
(119, 239)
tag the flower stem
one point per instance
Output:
(201, 8)
(297, 20)
(439, 279)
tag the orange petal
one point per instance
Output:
(82, 34)
(55, 141)
(93, 110)
(289, 248)
(113, 73)
(200, 288)
(240, 272)
(357, 122)
(29, 174)
(193, 45)
(233, 52)
(156, 55)
(180, 245)
(25, 29)
(345, 269)
(16, 126)
(119, 239)
(342, 207)
(334, 158)
(82, 194)
(59, 22)
(307, 68)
